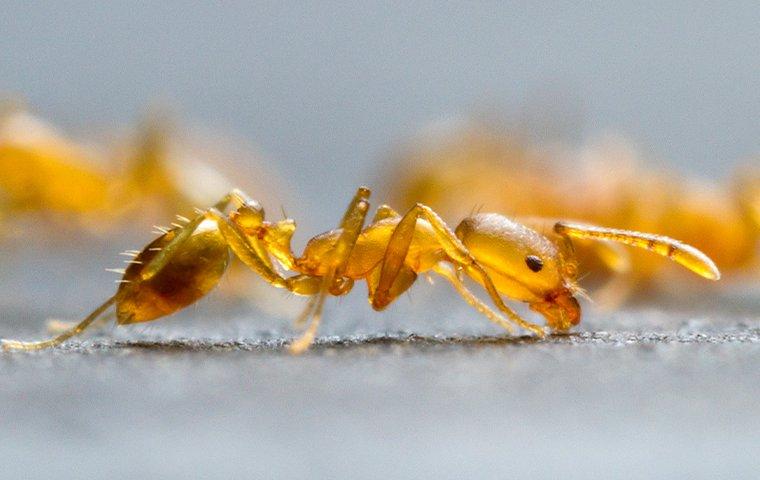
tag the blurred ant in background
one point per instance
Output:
(102, 187)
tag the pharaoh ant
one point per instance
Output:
(504, 257)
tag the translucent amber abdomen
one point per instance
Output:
(193, 271)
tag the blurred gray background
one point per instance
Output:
(325, 91)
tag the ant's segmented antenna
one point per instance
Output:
(679, 252)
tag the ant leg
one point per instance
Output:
(302, 317)
(308, 285)
(475, 268)
(405, 279)
(681, 253)
(241, 246)
(398, 246)
(76, 330)
(449, 274)
(351, 225)
(55, 326)
(313, 312)
(237, 240)
(180, 235)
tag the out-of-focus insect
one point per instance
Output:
(44, 172)
(67, 182)
(475, 165)
(505, 257)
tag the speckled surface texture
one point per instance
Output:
(426, 389)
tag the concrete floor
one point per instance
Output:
(425, 389)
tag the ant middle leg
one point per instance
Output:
(333, 282)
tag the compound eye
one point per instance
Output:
(534, 263)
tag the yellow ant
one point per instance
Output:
(504, 257)
(46, 173)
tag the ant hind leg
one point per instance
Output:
(55, 326)
(75, 330)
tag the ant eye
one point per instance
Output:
(534, 263)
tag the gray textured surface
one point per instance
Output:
(426, 389)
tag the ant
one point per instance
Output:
(98, 186)
(504, 257)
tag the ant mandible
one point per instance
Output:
(505, 257)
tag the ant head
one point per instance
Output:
(523, 265)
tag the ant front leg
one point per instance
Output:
(447, 272)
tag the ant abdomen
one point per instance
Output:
(191, 272)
